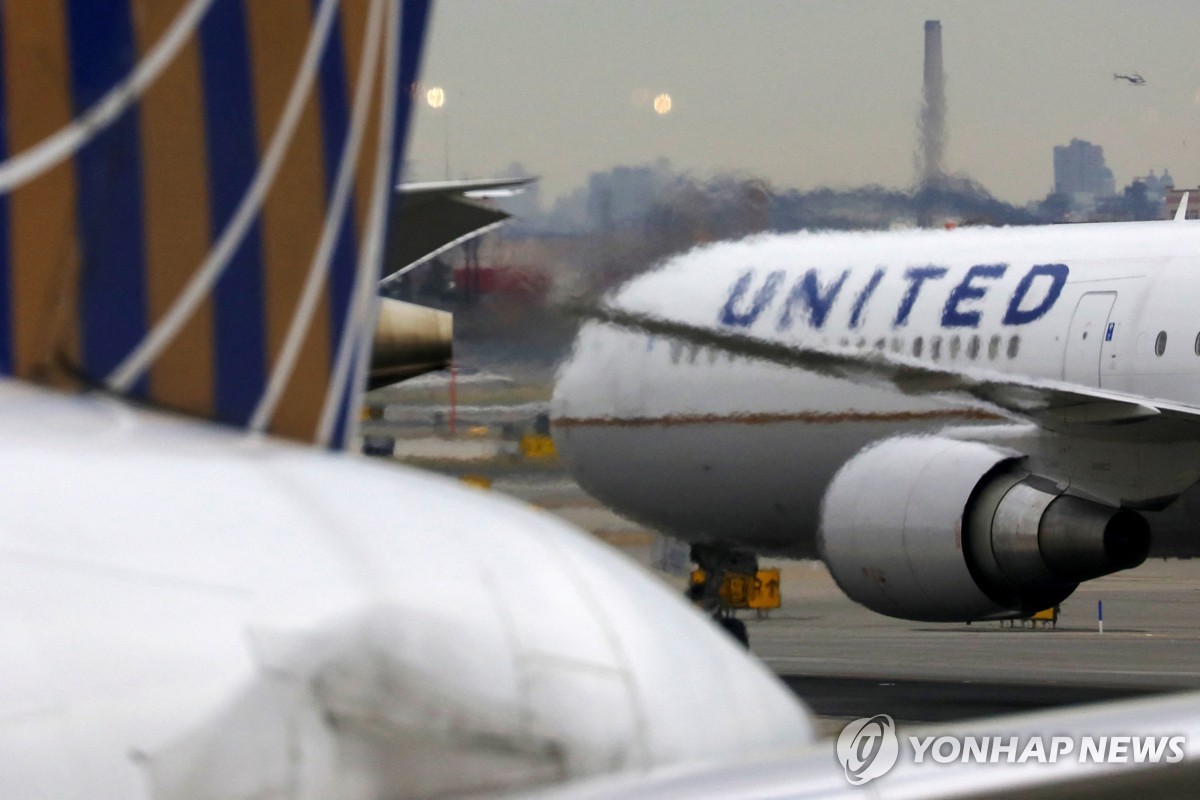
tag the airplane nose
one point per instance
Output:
(575, 381)
(603, 378)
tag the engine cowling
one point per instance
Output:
(943, 530)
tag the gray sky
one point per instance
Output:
(808, 94)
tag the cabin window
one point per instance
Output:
(1160, 343)
(935, 348)
(955, 346)
(1014, 346)
(1198, 344)
(973, 348)
(918, 345)
(994, 348)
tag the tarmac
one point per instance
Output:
(848, 662)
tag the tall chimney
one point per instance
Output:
(933, 108)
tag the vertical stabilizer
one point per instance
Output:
(193, 196)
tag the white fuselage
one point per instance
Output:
(186, 612)
(733, 449)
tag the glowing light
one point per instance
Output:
(436, 97)
(662, 104)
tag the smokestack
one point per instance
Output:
(933, 109)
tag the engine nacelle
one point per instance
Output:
(943, 530)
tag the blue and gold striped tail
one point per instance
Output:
(193, 195)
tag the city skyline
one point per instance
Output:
(806, 95)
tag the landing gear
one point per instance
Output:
(722, 572)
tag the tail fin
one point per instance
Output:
(193, 196)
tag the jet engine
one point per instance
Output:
(410, 340)
(943, 530)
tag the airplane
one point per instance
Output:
(963, 425)
(204, 595)
(426, 220)
(431, 218)
(1133, 78)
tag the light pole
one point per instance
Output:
(435, 98)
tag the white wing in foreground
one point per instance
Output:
(814, 772)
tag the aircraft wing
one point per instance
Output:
(814, 771)
(1050, 404)
(431, 218)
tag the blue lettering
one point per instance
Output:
(916, 277)
(952, 315)
(743, 319)
(1057, 273)
(819, 303)
(861, 302)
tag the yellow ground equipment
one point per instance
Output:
(759, 591)
(478, 481)
(1047, 618)
(534, 445)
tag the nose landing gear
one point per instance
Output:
(722, 584)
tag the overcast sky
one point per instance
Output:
(808, 94)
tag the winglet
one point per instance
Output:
(1181, 212)
(434, 217)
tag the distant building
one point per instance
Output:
(1081, 174)
(1172, 203)
(621, 196)
(1157, 186)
